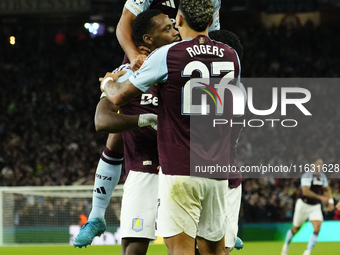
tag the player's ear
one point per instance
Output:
(147, 39)
(179, 19)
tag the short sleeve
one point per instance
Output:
(216, 21)
(306, 179)
(153, 71)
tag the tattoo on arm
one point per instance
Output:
(127, 96)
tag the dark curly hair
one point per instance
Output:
(197, 13)
(143, 24)
(229, 38)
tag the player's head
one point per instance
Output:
(198, 15)
(153, 29)
(318, 163)
(229, 38)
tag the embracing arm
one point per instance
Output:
(109, 121)
(124, 36)
(118, 93)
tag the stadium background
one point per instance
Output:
(49, 69)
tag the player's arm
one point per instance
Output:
(118, 93)
(153, 71)
(306, 191)
(106, 117)
(328, 193)
(338, 206)
(124, 36)
(109, 121)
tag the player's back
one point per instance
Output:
(184, 139)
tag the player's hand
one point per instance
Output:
(137, 62)
(110, 76)
(148, 119)
(330, 207)
(144, 50)
(338, 206)
(324, 199)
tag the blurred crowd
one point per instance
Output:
(49, 91)
(29, 210)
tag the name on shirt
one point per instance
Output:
(205, 49)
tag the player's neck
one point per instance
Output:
(189, 33)
(152, 48)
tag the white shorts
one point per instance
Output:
(233, 211)
(139, 203)
(193, 205)
(304, 211)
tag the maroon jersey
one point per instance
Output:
(317, 182)
(183, 142)
(140, 144)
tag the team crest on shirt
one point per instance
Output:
(317, 180)
(139, 2)
(137, 224)
(201, 40)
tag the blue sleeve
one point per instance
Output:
(153, 71)
(126, 76)
(137, 6)
(306, 179)
(122, 78)
(216, 21)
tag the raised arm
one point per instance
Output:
(124, 36)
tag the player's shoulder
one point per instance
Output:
(122, 67)
(217, 2)
(322, 175)
(307, 175)
(217, 5)
(127, 74)
(162, 50)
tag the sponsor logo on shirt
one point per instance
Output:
(148, 98)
